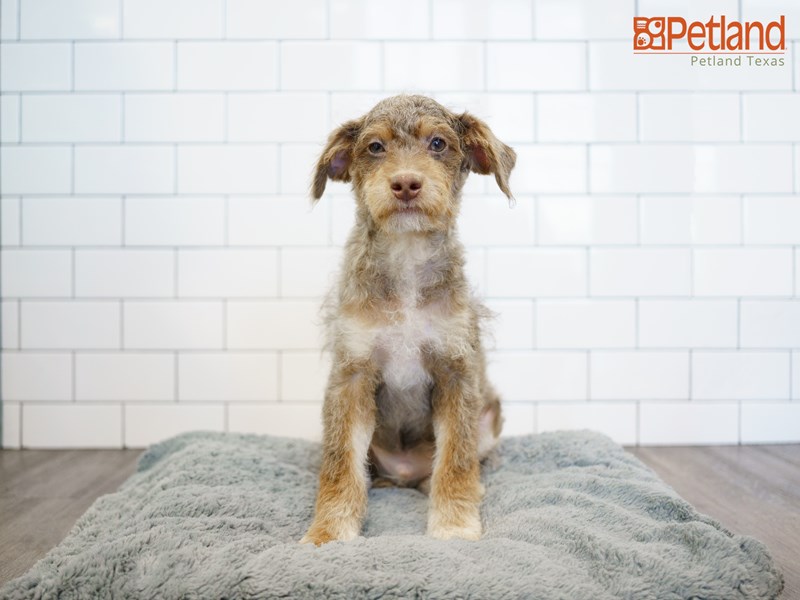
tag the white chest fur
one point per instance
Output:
(407, 327)
(398, 348)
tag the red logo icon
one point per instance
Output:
(649, 33)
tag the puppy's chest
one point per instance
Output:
(403, 327)
(404, 330)
(398, 346)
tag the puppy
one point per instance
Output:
(407, 401)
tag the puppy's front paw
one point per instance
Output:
(316, 538)
(322, 533)
(465, 525)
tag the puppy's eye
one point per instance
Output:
(437, 144)
(376, 148)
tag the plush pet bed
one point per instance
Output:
(566, 515)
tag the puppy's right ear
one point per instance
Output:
(334, 162)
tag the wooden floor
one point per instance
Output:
(753, 490)
(42, 494)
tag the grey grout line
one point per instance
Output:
(524, 144)
(511, 350)
(739, 422)
(328, 19)
(587, 71)
(789, 298)
(371, 91)
(21, 423)
(520, 248)
(224, 18)
(353, 40)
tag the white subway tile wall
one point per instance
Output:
(163, 268)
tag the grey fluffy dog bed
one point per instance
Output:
(566, 515)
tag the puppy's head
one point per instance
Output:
(408, 159)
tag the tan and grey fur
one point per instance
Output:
(407, 402)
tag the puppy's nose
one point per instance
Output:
(406, 186)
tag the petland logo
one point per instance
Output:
(658, 35)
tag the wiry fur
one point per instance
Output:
(407, 395)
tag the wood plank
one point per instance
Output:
(751, 490)
(31, 527)
(42, 494)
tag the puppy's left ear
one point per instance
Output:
(485, 153)
(334, 162)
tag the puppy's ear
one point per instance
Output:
(485, 153)
(334, 162)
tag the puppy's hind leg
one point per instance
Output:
(349, 422)
(489, 425)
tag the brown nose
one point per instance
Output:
(406, 186)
